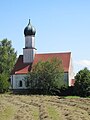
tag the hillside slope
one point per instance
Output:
(39, 107)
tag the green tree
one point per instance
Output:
(7, 56)
(4, 84)
(7, 61)
(47, 75)
(82, 83)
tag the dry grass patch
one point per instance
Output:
(39, 107)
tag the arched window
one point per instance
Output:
(20, 83)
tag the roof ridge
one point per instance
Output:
(54, 53)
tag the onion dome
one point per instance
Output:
(29, 30)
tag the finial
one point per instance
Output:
(29, 21)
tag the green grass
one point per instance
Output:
(35, 113)
(53, 113)
(72, 97)
(7, 113)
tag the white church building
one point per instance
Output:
(30, 57)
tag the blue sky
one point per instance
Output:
(61, 25)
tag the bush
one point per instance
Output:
(46, 76)
(82, 83)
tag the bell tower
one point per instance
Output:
(29, 50)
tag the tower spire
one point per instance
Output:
(29, 30)
(29, 50)
(29, 21)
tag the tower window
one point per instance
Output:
(20, 83)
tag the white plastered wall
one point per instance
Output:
(71, 73)
(29, 41)
(28, 55)
(15, 80)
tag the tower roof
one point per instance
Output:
(29, 30)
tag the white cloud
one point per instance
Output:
(79, 65)
(83, 63)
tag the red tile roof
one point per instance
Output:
(23, 68)
(20, 67)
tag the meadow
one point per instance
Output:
(42, 107)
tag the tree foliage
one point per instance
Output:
(4, 83)
(7, 56)
(82, 83)
(47, 75)
(7, 61)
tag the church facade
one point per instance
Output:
(30, 57)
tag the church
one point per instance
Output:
(30, 57)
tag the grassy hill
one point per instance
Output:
(39, 107)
